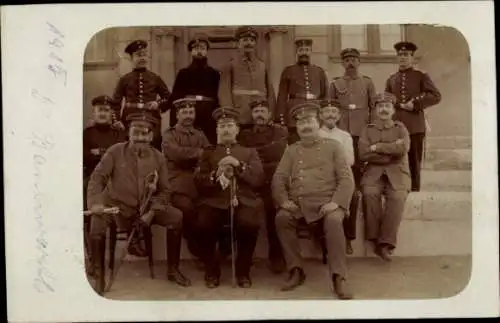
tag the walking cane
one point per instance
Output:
(233, 203)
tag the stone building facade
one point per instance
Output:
(443, 53)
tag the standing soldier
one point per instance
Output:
(414, 91)
(218, 167)
(120, 180)
(96, 140)
(140, 89)
(245, 78)
(384, 146)
(329, 116)
(300, 83)
(200, 81)
(182, 147)
(313, 183)
(270, 141)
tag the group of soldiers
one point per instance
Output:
(235, 151)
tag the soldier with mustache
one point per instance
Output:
(299, 83)
(201, 82)
(245, 78)
(270, 141)
(384, 146)
(119, 180)
(140, 90)
(183, 145)
(415, 92)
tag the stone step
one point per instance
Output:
(434, 224)
(447, 159)
(446, 180)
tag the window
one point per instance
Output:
(354, 36)
(371, 40)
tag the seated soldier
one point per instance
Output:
(270, 140)
(313, 183)
(225, 169)
(182, 147)
(120, 180)
(97, 138)
(384, 146)
(329, 116)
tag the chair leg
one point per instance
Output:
(148, 240)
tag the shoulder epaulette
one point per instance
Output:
(367, 77)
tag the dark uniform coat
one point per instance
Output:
(181, 147)
(390, 158)
(242, 81)
(270, 142)
(98, 137)
(248, 180)
(416, 85)
(312, 175)
(120, 179)
(359, 91)
(140, 86)
(295, 83)
(202, 81)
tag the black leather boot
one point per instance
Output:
(98, 245)
(174, 240)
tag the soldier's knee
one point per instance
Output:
(399, 195)
(174, 217)
(335, 217)
(283, 218)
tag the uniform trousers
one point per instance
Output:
(274, 252)
(332, 229)
(189, 216)
(351, 220)
(415, 159)
(382, 221)
(212, 220)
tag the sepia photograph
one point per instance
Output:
(290, 162)
(250, 161)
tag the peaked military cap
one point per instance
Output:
(303, 42)
(102, 100)
(330, 103)
(246, 31)
(385, 97)
(258, 103)
(225, 113)
(349, 52)
(405, 45)
(197, 39)
(143, 117)
(186, 102)
(135, 46)
(303, 110)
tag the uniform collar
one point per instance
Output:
(328, 130)
(258, 128)
(401, 70)
(140, 69)
(181, 128)
(384, 125)
(310, 143)
(143, 153)
(351, 77)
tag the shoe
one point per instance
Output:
(348, 247)
(383, 252)
(296, 278)
(175, 275)
(341, 288)
(244, 281)
(212, 281)
(136, 250)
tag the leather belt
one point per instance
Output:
(248, 92)
(135, 105)
(305, 96)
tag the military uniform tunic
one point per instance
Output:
(386, 173)
(299, 83)
(243, 80)
(359, 91)
(201, 81)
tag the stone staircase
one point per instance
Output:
(437, 220)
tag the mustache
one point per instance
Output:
(304, 56)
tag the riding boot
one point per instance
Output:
(174, 240)
(98, 245)
(247, 239)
